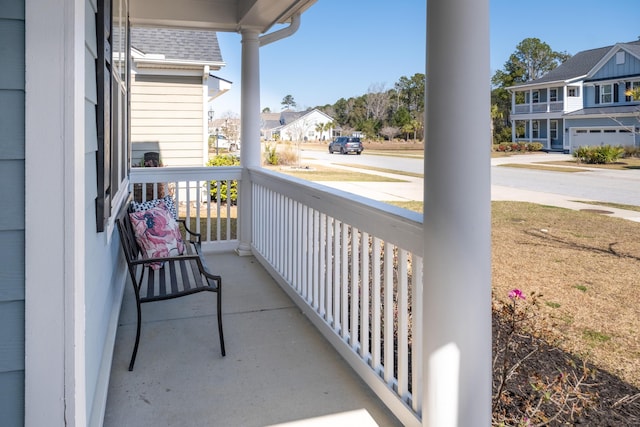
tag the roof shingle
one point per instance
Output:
(177, 44)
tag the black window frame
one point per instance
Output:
(113, 136)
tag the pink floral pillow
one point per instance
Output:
(157, 233)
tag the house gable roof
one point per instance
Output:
(632, 48)
(287, 117)
(578, 66)
(177, 44)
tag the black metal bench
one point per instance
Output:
(181, 275)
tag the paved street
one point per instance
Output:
(564, 189)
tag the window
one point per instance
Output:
(606, 94)
(112, 115)
(535, 96)
(573, 91)
(553, 95)
(629, 88)
(553, 129)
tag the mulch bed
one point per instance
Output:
(601, 400)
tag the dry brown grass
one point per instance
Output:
(587, 267)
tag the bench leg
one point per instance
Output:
(219, 298)
(135, 346)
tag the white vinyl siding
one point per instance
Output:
(167, 116)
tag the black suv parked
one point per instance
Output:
(346, 144)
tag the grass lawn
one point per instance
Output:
(622, 164)
(586, 266)
(541, 166)
(320, 173)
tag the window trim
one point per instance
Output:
(553, 129)
(535, 129)
(112, 115)
(606, 94)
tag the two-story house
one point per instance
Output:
(171, 87)
(583, 102)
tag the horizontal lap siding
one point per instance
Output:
(12, 188)
(167, 117)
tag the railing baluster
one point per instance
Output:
(337, 268)
(403, 325)
(364, 300)
(376, 355)
(416, 335)
(388, 314)
(324, 265)
(355, 288)
(345, 283)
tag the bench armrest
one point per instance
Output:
(190, 233)
(165, 259)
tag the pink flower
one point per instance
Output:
(515, 294)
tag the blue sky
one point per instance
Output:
(345, 46)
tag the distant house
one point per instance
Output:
(582, 102)
(171, 85)
(296, 126)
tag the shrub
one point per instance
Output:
(224, 160)
(631, 151)
(288, 156)
(534, 146)
(270, 154)
(505, 147)
(598, 155)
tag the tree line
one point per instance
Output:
(381, 112)
(399, 111)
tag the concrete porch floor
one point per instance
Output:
(279, 370)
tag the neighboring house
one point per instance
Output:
(171, 86)
(582, 102)
(296, 125)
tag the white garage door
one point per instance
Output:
(581, 137)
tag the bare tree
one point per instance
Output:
(298, 129)
(231, 126)
(377, 101)
(389, 132)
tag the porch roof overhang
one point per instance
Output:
(630, 110)
(540, 85)
(218, 15)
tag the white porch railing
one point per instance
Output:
(352, 265)
(192, 189)
(355, 268)
(538, 107)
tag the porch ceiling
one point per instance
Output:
(219, 15)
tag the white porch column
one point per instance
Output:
(250, 132)
(457, 217)
(55, 312)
